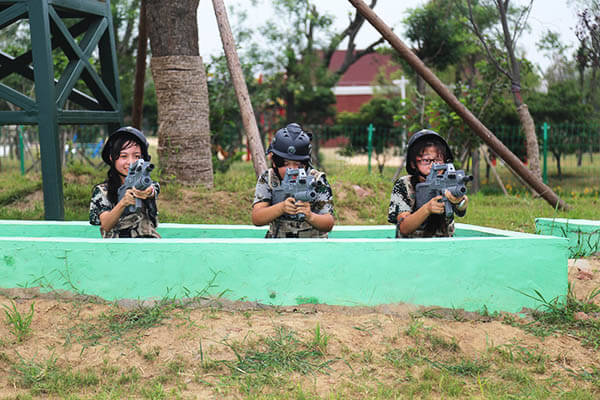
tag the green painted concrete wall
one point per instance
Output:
(80, 229)
(470, 272)
(583, 235)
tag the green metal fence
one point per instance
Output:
(569, 153)
(20, 144)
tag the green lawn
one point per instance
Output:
(229, 201)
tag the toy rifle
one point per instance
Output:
(297, 184)
(442, 177)
(138, 178)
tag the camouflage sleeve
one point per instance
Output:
(99, 204)
(263, 192)
(323, 204)
(401, 199)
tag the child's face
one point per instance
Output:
(130, 153)
(289, 164)
(428, 157)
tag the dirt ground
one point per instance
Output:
(192, 336)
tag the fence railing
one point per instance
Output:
(21, 143)
(568, 152)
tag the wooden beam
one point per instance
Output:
(484, 133)
(241, 90)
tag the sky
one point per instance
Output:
(555, 15)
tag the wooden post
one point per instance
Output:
(241, 90)
(484, 133)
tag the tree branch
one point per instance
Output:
(479, 35)
(351, 57)
(513, 62)
(521, 21)
(350, 32)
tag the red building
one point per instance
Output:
(355, 88)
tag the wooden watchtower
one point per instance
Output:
(81, 30)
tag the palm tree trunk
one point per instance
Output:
(183, 128)
(181, 92)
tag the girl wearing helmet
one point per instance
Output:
(123, 148)
(291, 148)
(425, 148)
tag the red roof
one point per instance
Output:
(351, 103)
(364, 71)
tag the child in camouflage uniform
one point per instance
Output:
(124, 147)
(291, 148)
(425, 148)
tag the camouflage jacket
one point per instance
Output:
(283, 227)
(403, 199)
(139, 224)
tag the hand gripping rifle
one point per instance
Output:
(437, 183)
(297, 184)
(138, 178)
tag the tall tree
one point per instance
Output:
(501, 47)
(436, 39)
(181, 91)
(125, 15)
(301, 46)
(588, 56)
(140, 69)
(555, 49)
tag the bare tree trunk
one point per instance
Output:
(316, 149)
(533, 150)
(421, 98)
(181, 91)
(241, 90)
(514, 74)
(475, 170)
(557, 158)
(593, 83)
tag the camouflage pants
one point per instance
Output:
(293, 229)
(136, 225)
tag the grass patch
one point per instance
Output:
(15, 187)
(18, 324)
(117, 322)
(565, 315)
(46, 377)
(283, 352)
(463, 367)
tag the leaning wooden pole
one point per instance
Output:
(241, 90)
(484, 133)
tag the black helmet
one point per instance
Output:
(291, 143)
(135, 135)
(424, 135)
